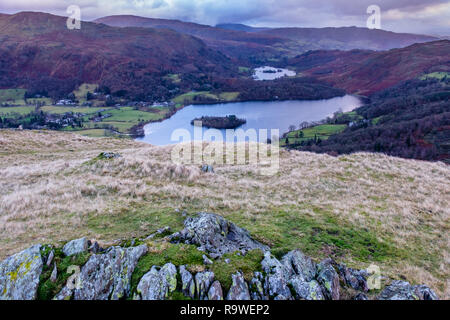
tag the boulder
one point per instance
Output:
(188, 284)
(306, 290)
(239, 288)
(76, 246)
(19, 275)
(158, 284)
(215, 291)
(106, 276)
(217, 236)
(402, 290)
(301, 265)
(328, 279)
(277, 276)
(203, 281)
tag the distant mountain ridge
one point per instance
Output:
(289, 40)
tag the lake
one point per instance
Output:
(271, 73)
(259, 115)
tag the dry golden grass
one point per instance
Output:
(52, 190)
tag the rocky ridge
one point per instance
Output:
(106, 274)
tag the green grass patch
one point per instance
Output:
(247, 264)
(323, 131)
(47, 289)
(161, 253)
(175, 78)
(435, 75)
(74, 109)
(83, 89)
(15, 96)
(15, 111)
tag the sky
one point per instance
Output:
(411, 16)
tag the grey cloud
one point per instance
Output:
(317, 13)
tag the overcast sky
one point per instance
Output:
(413, 16)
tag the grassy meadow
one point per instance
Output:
(361, 209)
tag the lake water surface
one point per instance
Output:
(259, 115)
(271, 73)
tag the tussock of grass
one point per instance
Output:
(247, 264)
(361, 208)
(161, 253)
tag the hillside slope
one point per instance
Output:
(359, 209)
(37, 48)
(366, 72)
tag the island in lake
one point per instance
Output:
(228, 122)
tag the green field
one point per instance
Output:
(74, 109)
(82, 91)
(15, 96)
(435, 75)
(11, 111)
(322, 131)
(188, 98)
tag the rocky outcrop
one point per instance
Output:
(158, 284)
(329, 279)
(239, 288)
(277, 277)
(203, 281)
(402, 290)
(187, 283)
(105, 276)
(215, 291)
(19, 275)
(76, 246)
(216, 235)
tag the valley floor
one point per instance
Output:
(361, 209)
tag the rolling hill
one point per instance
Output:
(365, 72)
(37, 47)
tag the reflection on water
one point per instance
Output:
(270, 73)
(259, 115)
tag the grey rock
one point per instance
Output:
(109, 155)
(54, 275)
(216, 235)
(188, 284)
(306, 290)
(360, 296)
(215, 291)
(356, 279)
(106, 276)
(277, 276)
(227, 261)
(206, 260)
(76, 246)
(328, 279)
(402, 290)
(158, 284)
(239, 288)
(203, 281)
(50, 257)
(19, 275)
(65, 294)
(257, 287)
(300, 264)
(95, 248)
